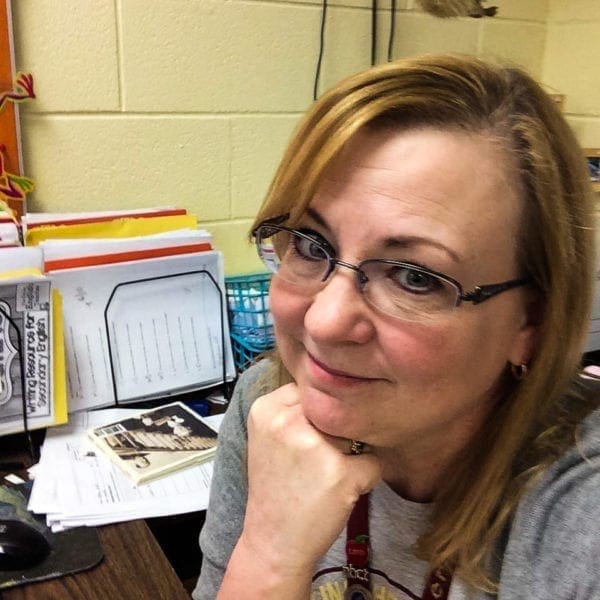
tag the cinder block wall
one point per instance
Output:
(570, 63)
(191, 102)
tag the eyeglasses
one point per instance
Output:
(400, 289)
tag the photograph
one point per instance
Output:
(157, 441)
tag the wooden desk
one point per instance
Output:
(134, 568)
(134, 565)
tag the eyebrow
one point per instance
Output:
(394, 242)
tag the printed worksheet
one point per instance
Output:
(144, 329)
(75, 485)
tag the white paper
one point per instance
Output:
(75, 486)
(165, 334)
(14, 259)
(9, 235)
(57, 249)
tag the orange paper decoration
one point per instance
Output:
(9, 115)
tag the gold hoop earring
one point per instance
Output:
(519, 372)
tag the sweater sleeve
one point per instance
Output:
(555, 538)
(229, 486)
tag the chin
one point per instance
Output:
(331, 415)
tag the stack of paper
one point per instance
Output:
(75, 485)
(144, 314)
(32, 368)
(9, 233)
(38, 227)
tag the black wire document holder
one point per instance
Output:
(223, 348)
(30, 445)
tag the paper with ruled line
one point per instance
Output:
(74, 485)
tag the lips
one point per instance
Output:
(337, 372)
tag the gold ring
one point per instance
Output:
(356, 447)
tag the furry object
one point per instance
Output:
(457, 8)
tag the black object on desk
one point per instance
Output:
(70, 551)
(21, 545)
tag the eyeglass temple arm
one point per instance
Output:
(484, 292)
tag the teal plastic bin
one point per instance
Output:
(250, 322)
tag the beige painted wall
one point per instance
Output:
(571, 66)
(190, 102)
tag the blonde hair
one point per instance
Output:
(536, 420)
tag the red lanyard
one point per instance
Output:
(357, 552)
(357, 560)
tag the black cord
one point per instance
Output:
(373, 32)
(321, 48)
(392, 30)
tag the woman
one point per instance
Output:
(423, 431)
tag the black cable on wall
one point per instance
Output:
(374, 10)
(392, 31)
(321, 49)
(373, 32)
(439, 8)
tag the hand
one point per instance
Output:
(302, 485)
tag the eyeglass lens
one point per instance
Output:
(401, 290)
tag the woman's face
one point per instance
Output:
(440, 199)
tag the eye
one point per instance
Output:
(311, 247)
(415, 280)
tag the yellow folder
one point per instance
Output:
(127, 227)
(59, 370)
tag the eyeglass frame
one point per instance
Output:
(479, 294)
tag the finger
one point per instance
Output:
(286, 395)
(275, 406)
(345, 445)
(367, 472)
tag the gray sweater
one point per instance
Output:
(553, 544)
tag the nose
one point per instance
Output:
(338, 312)
(360, 277)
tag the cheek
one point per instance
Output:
(440, 355)
(288, 308)
(416, 349)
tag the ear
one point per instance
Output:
(526, 341)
